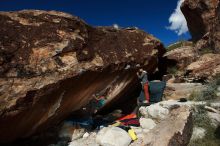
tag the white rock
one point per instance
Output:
(86, 135)
(76, 143)
(113, 136)
(88, 141)
(154, 111)
(140, 136)
(143, 111)
(198, 133)
(168, 104)
(137, 130)
(147, 123)
(78, 133)
(146, 130)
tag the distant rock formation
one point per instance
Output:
(207, 66)
(199, 61)
(181, 56)
(51, 63)
(191, 65)
(203, 19)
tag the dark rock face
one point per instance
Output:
(51, 63)
(203, 17)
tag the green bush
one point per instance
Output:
(201, 119)
(172, 70)
(195, 95)
(217, 80)
(206, 51)
(209, 93)
(179, 44)
(174, 46)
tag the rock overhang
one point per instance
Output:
(52, 62)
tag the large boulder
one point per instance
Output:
(177, 58)
(175, 130)
(51, 63)
(206, 67)
(154, 111)
(181, 56)
(113, 136)
(182, 90)
(203, 18)
(147, 123)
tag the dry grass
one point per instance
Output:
(172, 70)
(178, 45)
(207, 94)
(201, 119)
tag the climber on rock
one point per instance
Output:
(144, 96)
(98, 102)
(95, 104)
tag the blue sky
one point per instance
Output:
(151, 16)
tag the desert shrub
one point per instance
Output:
(217, 80)
(172, 70)
(194, 95)
(179, 44)
(209, 93)
(174, 46)
(206, 94)
(201, 119)
(206, 51)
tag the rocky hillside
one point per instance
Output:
(51, 63)
(199, 61)
(193, 70)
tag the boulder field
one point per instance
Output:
(166, 123)
(51, 63)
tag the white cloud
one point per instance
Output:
(177, 20)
